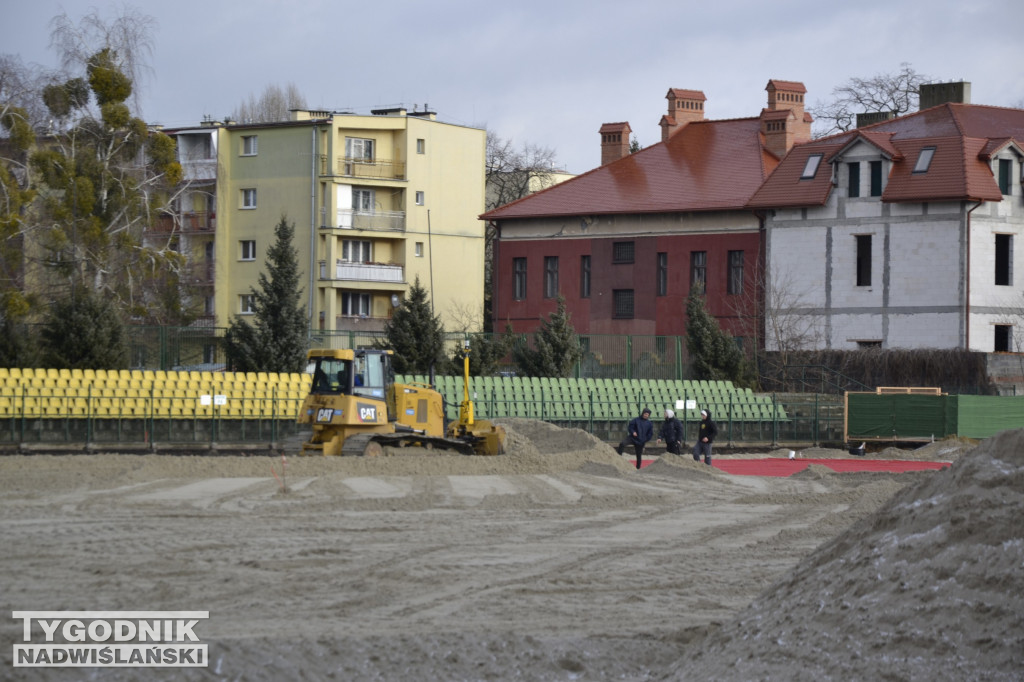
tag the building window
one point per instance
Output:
(363, 200)
(355, 305)
(853, 172)
(1004, 338)
(249, 146)
(248, 249)
(421, 146)
(1004, 260)
(622, 252)
(876, 178)
(622, 300)
(419, 198)
(519, 279)
(811, 166)
(584, 276)
(863, 260)
(248, 198)
(356, 251)
(1005, 176)
(869, 344)
(924, 159)
(208, 307)
(246, 304)
(735, 283)
(662, 273)
(419, 249)
(699, 271)
(550, 276)
(359, 149)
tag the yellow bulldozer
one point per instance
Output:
(356, 408)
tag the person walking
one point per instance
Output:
(672, 433)
(705, 437)
(638, 432)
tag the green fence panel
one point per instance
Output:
(898, 416)
(984, 416)
(870, 415)
(920, 416)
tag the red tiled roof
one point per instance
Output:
(776, 114)
(614, 127)
(680, 93)
(881, 140)
(790, 86)
(786, 188)
(993, 147)
(956, 172)
(706, 166)
(964, 135)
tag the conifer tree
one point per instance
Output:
(278, 341)
(84, 331)
(557, 347)
(415, 335)
(713, 353)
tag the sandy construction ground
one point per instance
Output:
(556, 561)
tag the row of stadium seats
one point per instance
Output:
(601, 399)
(106, 394)
(52, 393)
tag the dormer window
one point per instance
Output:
(811, 167)
(924, 159)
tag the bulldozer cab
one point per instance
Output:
(362, 372)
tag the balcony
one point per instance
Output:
(377, 169)
(364, 272)
(379, 221)
(202, 273)
(185, 223)
(200, 170)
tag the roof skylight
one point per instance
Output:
(811, 167)
(924, 159)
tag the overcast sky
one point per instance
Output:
(548, 73)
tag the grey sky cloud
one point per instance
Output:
(547, 73)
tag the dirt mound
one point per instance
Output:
(929, 586)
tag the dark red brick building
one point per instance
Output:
(625, 243)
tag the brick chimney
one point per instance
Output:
(684, 106)
(614, 141)
(784, 122)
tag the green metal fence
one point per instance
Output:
(901, 416)
(605, 356)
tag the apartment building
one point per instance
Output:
(378, 200)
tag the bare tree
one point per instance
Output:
(776, 317)
(20, 85)
(129, 36)
(272, 105)
(886, 92)
(463, 317)
(513, 171)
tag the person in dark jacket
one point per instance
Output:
(671, 433)
(705, 437)
(639, 431)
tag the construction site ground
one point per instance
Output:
(555, 561)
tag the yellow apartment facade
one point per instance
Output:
(377, 201)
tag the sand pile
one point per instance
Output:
(931, 586)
